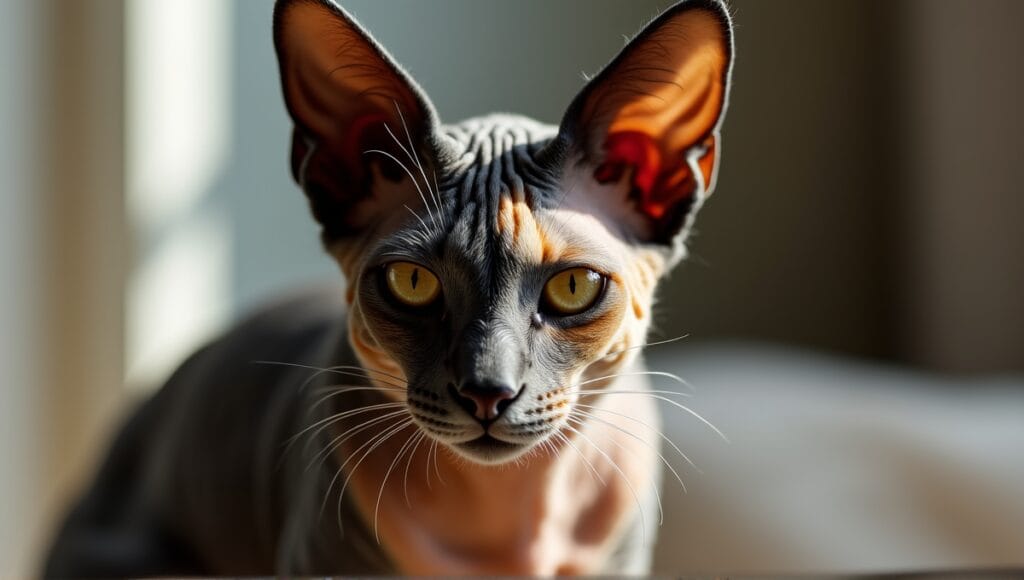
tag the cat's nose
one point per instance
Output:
(485, 400)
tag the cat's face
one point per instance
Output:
(499, 266)
(495, 312)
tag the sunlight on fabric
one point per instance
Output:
(178, 125)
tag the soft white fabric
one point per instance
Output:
(837, 466)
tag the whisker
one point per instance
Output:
(402, 382)
(335, 443)
(654, 483)
(437, 469)
(414, 181)
(594, 392)
(589, 465)
(647, 344)
(430, 450)
(341, 467)
(660, 434)
(414, 161)
(413, 212)
(380, 441)
(398, 456)
(336, 390)
(671, 402)
(438, 190)
(594, 417)
(405, 478)
(335, 369)
(629, 484)
(415, 155)
(339, 416)
(674, 377)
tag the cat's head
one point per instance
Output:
(498, 265)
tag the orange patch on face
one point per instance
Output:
(638, 310)
(518, 227)
(368, 354)
(506, 216)
(592, 339)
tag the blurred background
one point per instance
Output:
(869, 209)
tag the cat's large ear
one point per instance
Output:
(350, 101)
(650, 121)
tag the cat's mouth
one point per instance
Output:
(489, 449)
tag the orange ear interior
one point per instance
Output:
(660, 99)
(339, 85)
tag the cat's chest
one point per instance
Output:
(567, 516)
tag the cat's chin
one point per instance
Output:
(488, 450)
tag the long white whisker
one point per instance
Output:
(335, 369)
(414, 161)
(384, 482)
(405, 478)
(341, 390)
(694, 413)
(646, 344)
(653, 483)
(341, 467)
(401, 381)
(437, 188)
(376, 441)
(385, 384)
(324, 453)
(416, 156)
(594, 392)
(414, 182)
(629, 484)
(594, 417)
(675, 378)
(339, 416)
(671, 402)
(413, 212)
(380, 441)
(430, 450)
(659, 433)
(437, 469)
(590, 465)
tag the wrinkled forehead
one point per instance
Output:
(513, 231)
(500, 207)
(503, 198)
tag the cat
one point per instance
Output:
(473, 401)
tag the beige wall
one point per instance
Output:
(870, 198)
(63, 251)
(963, 305)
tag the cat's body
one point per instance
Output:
(196, 484)
(473, 403)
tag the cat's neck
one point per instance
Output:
(517, 518)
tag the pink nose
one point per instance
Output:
(486, 401)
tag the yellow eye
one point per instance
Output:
(572, 291)
(412, 284)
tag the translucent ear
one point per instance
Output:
(652, 116)
(346, 97)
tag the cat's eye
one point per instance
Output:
(412, 284)
(572, 291)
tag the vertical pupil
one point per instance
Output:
(572, 283)
(415, 277)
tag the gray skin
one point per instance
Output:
(197, 482)
(202, 480)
